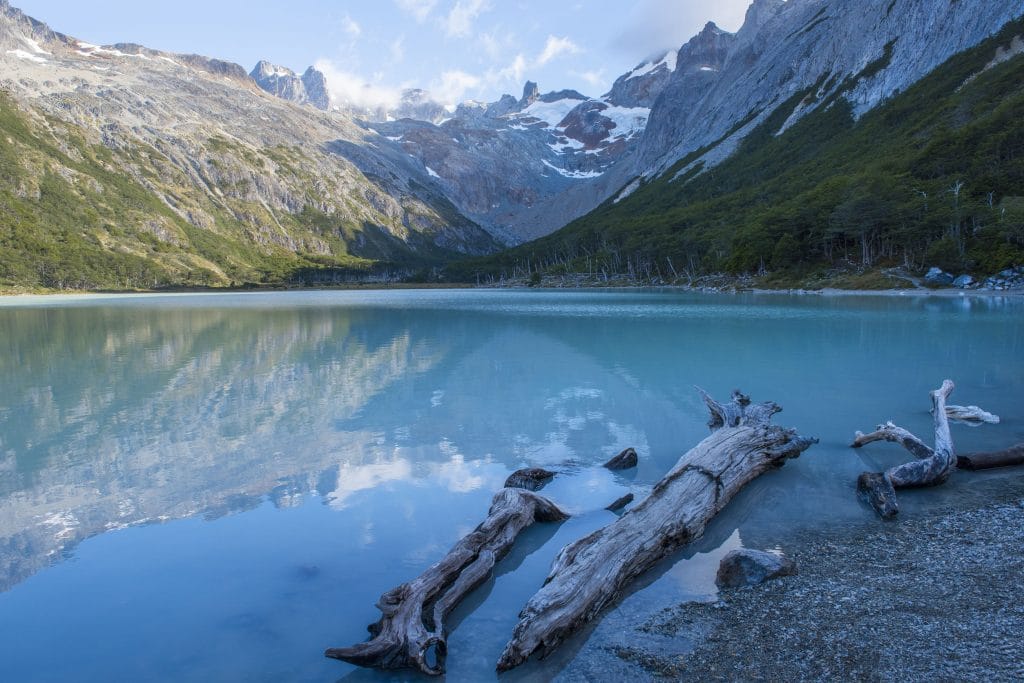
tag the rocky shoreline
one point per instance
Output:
(932, 596)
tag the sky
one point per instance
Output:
(370, 50)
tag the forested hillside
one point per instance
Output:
(933, 177)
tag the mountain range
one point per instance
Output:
(130, 167)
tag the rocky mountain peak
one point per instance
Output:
(282, 82)
(316, 88)
(559, 95)
(531, 93)
(419, 105)
(641, 86)
(265, 69)
(758, 14)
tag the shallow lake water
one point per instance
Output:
(219, 486)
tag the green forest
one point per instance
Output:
(933, 177)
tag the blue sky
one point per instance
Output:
(370, 50)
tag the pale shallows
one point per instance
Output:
(214, 487)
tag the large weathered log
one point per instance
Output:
(413, 614)
(986, 461)
(592, 573)
(933, 466)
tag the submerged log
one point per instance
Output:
(592, 573)
(933, 466)
(986, 461)
(412, 624)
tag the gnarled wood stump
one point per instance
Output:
(933, 466)
(413, 614)
(592, 573)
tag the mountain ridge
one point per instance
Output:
(259, 176)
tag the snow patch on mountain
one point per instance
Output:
(668, 61)
(575, 175)
(36, 48)
(27, 56)
(551, 113)
(628, 121)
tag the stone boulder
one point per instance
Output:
(938, 277)
(747, 567)
(963, 282)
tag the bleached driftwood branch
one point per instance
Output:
(413, 614)
(932, 467)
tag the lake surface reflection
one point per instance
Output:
(217, 487)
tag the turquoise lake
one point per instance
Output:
(219, 486)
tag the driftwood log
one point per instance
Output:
(412, 624)
(986, 461)
(592, 573)
(932, 467)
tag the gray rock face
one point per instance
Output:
(787, 47)
(698, 68)
(746, 567)
(531, 93)
(284, 83)
(503, 107)
(523, 168)
(551, 97)
(279, 82)
(316, 89)
(417, 104)
(641, 86)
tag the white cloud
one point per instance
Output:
(398, 50)
(351, 27)
(453, 86)
(654, 25)
(419, 9)
(491, 45)
(459, 21)
(595, 78)
(555, 47)
(351, 89)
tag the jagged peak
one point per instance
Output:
(265, 69)
(760, 13)
(531, 92)
(712, 28)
